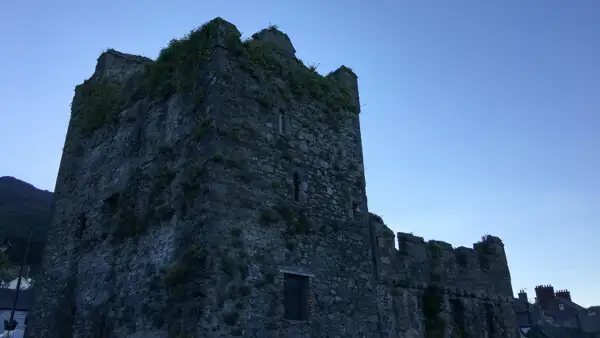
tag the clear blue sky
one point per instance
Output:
(479, 116)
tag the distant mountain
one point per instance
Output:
(22, 206)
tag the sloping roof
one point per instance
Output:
(7, 297)
(570, 304)
(24, 283)
(561, 332)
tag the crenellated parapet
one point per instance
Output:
(435, 290)
(480, 271)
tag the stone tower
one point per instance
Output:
(217, 191)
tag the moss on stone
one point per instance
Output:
(161, 181)
(269, 216)
(267, 278)
(200, 129)
(265, 99)
(177, 66)
(434, 249)
(236, 232)
(245, 290)
(461, 260)
(485, 252)
(73, 146)
(192, 182)
(231, 318)
(228, 264)
(297, 221)
(176, 70)
(431, 301)
(98, 103)
(157, 199)
(191, 262)
(126, 221)
(246, 177)
(276, 184)
(287, 155)
(241, 132)
(304, 82)
(164, 211)
(231, 160)
(291, 243)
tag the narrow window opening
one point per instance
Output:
(282, 124)
(296, 187)
(458, 316)
(355, 209)
(81, 226)
(489, 314)
(296, 297)
(561, 307)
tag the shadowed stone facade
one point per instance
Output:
(193, 188)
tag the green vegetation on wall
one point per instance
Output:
(179, 66)
(98, 102)
(432, 300)
(305, 85)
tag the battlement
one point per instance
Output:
(437, 278)
(281, 81)
(480, 270)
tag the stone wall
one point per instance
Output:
(437, 291)
(191, 185)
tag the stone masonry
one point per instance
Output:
(195, 188)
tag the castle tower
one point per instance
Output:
(492, 258)
(216, 191)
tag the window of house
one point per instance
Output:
(296, 187)
(561, 306)
(591, 314)
(296, 297)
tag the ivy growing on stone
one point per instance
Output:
(431, 301)
(305, 83)
(177, 66)
(295, 218)
(485, 252)
(461, 260)
(269, 216)
(192, 260)
(98, 102)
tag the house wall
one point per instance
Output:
(590, 321)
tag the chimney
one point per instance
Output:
(523, 297)
(563, 294)
(544, 293)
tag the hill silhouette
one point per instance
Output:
(23, 206)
